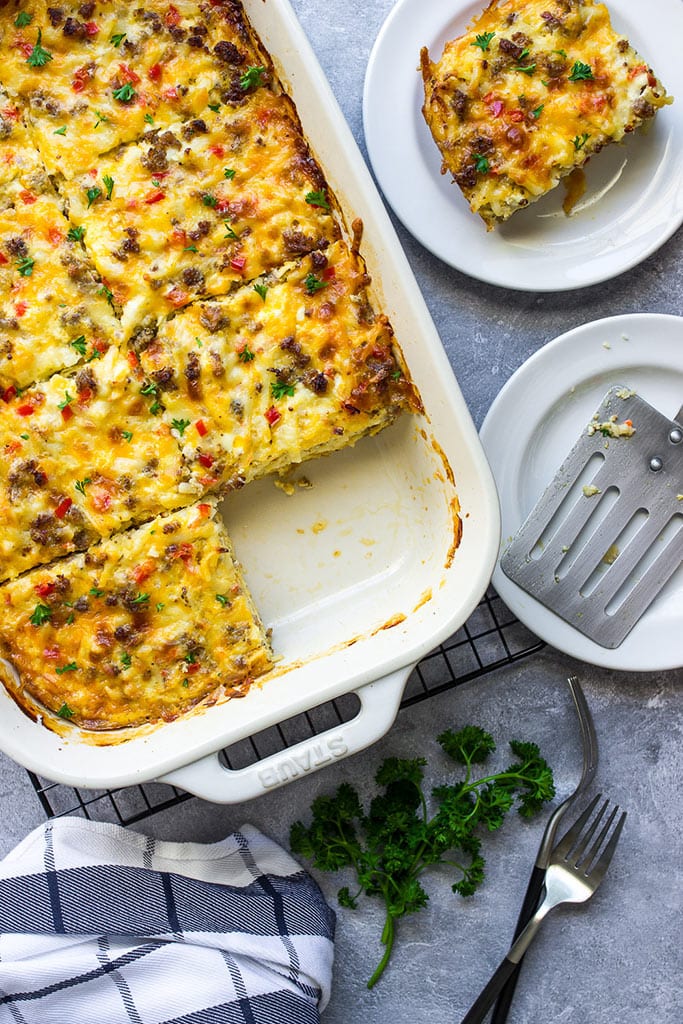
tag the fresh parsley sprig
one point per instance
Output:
(391, 845)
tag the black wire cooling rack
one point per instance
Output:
(491, 637)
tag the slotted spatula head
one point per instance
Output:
(607, 533)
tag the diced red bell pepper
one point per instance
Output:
(9, 393)
(20, 308)
(272, 415)
(155, 196)
(155, 72)
(201, 428)
(238, 263)
(67, 413)
(26, 410)
(3, 259)
(63, 507)
(92, 28)
(45, 588)
(206, 460)
(172, 16)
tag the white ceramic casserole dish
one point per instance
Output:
(359, 576)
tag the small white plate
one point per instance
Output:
(634, 200)
(531, 427)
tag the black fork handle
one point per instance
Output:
(484, 1001)
(533, 894)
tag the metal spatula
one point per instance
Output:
(607, 533)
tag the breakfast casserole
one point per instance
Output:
(182, 310)
(136, 629)
(528, 94)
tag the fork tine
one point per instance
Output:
(598, 871)
(567, 841)
(578, 851)
(585, 862)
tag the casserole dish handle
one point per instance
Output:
(211, 780)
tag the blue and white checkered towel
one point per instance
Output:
(100, 925)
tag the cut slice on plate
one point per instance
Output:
(528, 94)
(93, 75)
(202, 206)
(294, 366)
(82, 456)
(138, 629)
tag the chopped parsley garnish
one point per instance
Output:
(209, 200)
(180, 425)
(262, 290)
(214, 106)
(580, 72)
(149, 119)
(245, 355)
(160, 606)
(537, 112)
(108, 184)
(79, 344)
(95, 592)
(101, 119)
(313, 284)
(71, 666)
(68, 399)
(117, 38)
(562, 53)
(186, 682)
(317, 199)
(71, 619)
(75, 234)
(483, 41)
(23, 19)
(229, 173)
(24, 437)
(125, 94)
(527, 69)
(280, 388)
(149, 388)
(38, 57)
(141, 599)
(80, 485)
(127, 435)
(93, 193)
(65, 711)
(125, 659)
(190, 657)
(251, 77)
(222, 599)
(155, 408)
(95, 354)
(107, 292)
(580, 141)
(60, 131)
(41, 613)
(481, 164)
(25, 266)
(229, 232)
(190, 248)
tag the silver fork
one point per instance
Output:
(589, 746)
(574, 873)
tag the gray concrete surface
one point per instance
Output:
(618, 959)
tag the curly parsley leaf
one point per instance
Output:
(390, 846)
(483, 41)
(580, 72)
(38, 57)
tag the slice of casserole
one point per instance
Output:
(294, 366)
(92, 75)
(202, 206)
(528, 94)
(82, 456)
(138, 629)
(53, 308)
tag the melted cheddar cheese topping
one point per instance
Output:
(201, 207)
(292, 367)
(141, 626)
(527, 94)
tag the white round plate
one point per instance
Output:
(531, 427)
(634, 199)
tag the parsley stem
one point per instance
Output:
(388, 933)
